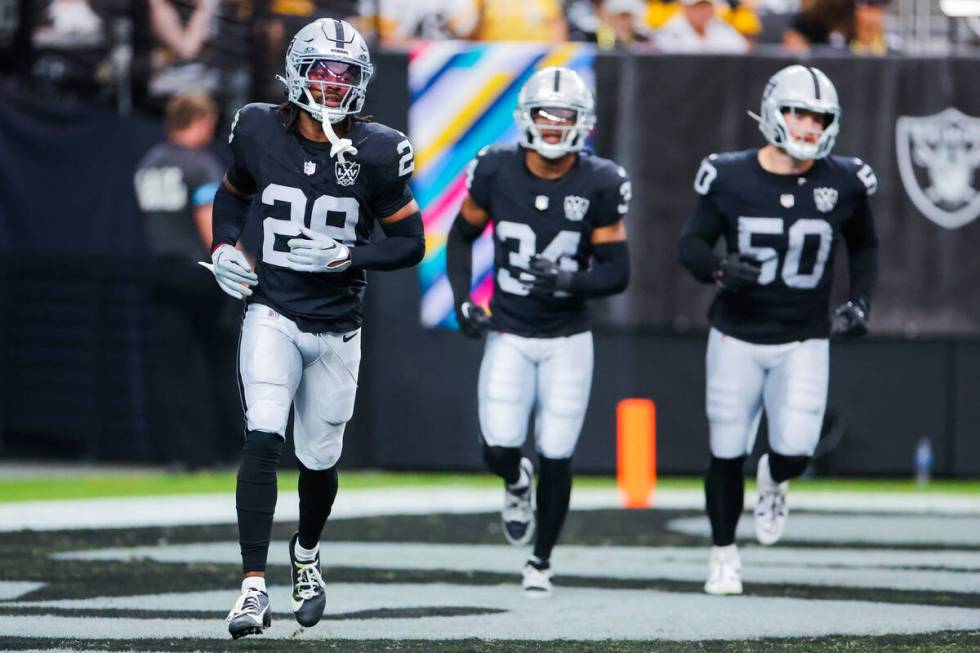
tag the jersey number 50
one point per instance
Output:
(769, 257)
(322, 208)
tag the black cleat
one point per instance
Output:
(309, 597)
(251, 614)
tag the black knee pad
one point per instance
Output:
(783, 468)
(505, 462)
(260, 457)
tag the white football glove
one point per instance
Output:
(232, 271)
(317, 253)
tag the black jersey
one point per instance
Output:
(791, 225)
(172, 182)
(551, 217)
(296, 182)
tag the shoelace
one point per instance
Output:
(517, 507)
(248, 603)
(779, 505)
(308, 580)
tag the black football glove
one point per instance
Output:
(737, 271)
(548, 279)
(473, 320)
(850, 319)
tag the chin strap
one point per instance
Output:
(339, 147)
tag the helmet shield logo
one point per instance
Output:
(938, 159)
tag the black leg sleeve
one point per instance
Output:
(783, 468)
(505, 462)
(317, 491)
(255, 497)
(724, 497)
(554, 492)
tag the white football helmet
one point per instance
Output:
(336, 56)
(799, 87)
(555, 88)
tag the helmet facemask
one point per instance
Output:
(779, 132)
(306, 74)
(572, 122)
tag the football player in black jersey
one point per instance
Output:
(780, 210)
(559, 238)
(319, 179)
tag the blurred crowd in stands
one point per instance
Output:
(233, 48)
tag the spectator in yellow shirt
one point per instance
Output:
(521, 20)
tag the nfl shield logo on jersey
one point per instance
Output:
(576, 207)
(309, 167)
(346, 172)
(939, 162)
(825, 199)
(787, 200)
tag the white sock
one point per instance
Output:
(254, 582)
(522, 482)
(305, 555)
(725, 552)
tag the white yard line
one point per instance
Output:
(178, 510)
(573, 613)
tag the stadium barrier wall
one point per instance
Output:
(72, 304)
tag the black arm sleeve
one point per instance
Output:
(696, 247)
(862, 252)
(459, 258)
(228, 214)
(609, 275)
(403, 247)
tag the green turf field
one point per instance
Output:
(156, 483)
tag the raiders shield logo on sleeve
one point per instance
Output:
(938, 159)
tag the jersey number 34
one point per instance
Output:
(561, 249)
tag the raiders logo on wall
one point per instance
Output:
(938, 159)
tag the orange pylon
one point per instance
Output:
(636, 451)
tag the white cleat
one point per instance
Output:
(537, 580)
(517, 516)
(251, 614)
(771, 509)
(724, 571)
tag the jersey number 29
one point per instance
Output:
(322, 208)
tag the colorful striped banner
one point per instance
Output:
(463, 98)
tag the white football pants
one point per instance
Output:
(282, 366)
(551, 375)
(789, 379)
